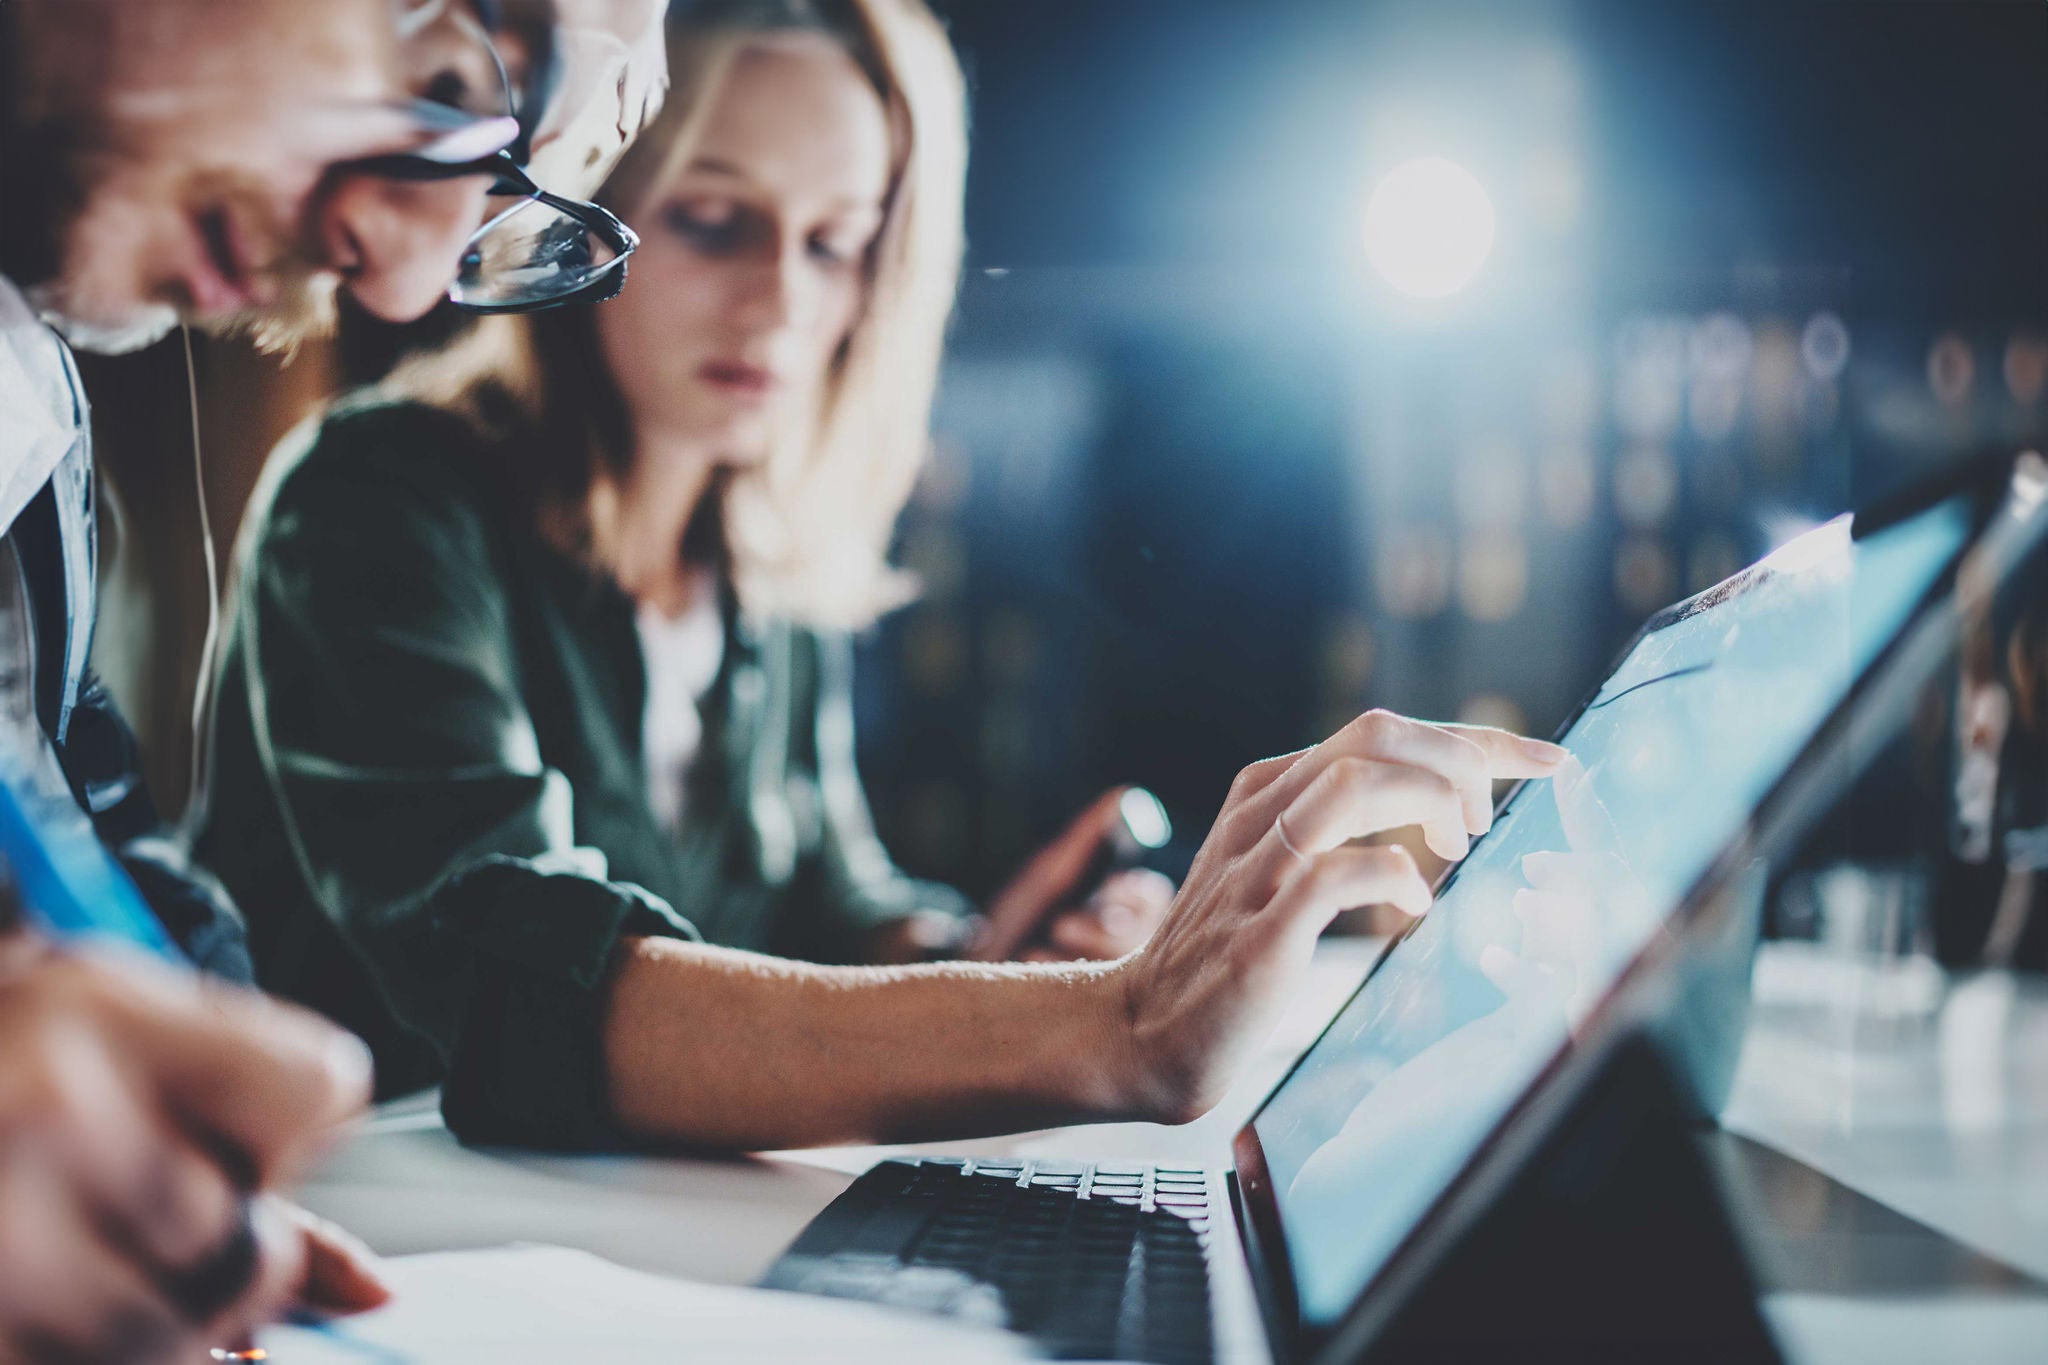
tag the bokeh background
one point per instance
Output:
(1207, 485)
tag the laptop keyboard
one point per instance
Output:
(1092, 1262)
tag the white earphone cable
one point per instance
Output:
(202, 686)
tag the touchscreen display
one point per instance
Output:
(1668, 761)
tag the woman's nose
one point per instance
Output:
(397, 244)
(772, 298)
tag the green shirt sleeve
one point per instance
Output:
(377, 640)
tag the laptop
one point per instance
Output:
(1729, 725)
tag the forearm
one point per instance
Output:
(728, 1049)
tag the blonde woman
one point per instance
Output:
(537, 678)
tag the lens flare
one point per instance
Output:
(1429, 227)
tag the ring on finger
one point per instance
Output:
(1280, 828)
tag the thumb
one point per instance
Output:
(1052, 873)
(343, 1275)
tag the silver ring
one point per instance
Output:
(1280, 828)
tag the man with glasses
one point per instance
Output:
(232, 165)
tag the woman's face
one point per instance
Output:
(752, 265)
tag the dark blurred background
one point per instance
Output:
(1208, 484)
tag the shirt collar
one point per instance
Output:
(39, 393)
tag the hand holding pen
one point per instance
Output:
(143, 1116)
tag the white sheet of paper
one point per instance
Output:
(534, 1304)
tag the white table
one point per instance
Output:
(1928, 1093)
(1930, 1097)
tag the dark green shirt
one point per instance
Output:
(429, 792)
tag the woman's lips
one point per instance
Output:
(740, 380)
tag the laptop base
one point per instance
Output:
(1613, 1243)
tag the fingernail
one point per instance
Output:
(1543, 751)
(350, 1064)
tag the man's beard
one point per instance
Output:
(303, 309)
(145, 326)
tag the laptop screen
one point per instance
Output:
(1669, 759)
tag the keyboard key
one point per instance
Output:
(1118, 1273)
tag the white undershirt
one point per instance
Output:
(683, 655)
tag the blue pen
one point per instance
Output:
(68, 885)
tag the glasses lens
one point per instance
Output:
(531, 254)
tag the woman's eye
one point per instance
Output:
(829, 251)
(706, 229)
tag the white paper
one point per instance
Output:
(514, 1305)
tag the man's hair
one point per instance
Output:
(36, 167)
(805, 534)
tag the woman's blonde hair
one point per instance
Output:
(804, 533)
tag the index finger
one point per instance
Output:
(1471, 757)
(1509, 755)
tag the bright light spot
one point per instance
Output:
(1951, 370)
(1493, 576)
(1644, 574)
(1825, 347)
(1720, 348)
(2029, 480)
(1429, 227)
(1802, 546)
(2026, 368)
(1646, 486)
(1145, 818)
